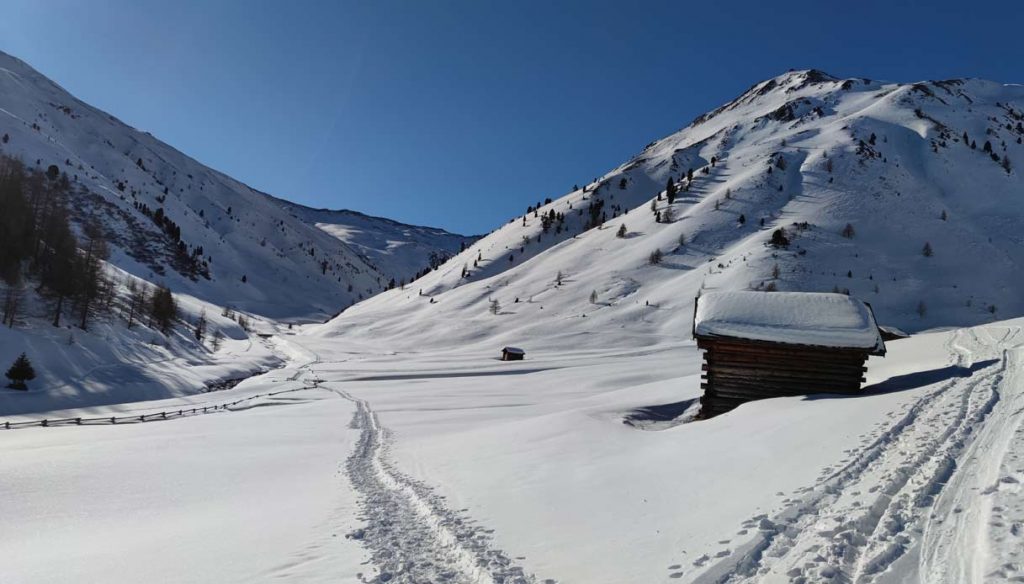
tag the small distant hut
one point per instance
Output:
(768, 344)
(512, 354)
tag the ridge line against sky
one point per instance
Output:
(460, 114)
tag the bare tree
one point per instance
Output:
(12, 302)
(200, 329)
(91, 275)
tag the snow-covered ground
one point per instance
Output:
(454, 466)
(246, 496)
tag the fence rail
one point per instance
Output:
(140, 418)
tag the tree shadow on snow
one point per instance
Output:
(910, 381)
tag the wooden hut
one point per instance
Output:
(768, 344)
(512, 354)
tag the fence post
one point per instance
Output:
(78, 421)
(45, 423)
(113, 420)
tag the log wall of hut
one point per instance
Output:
(736, 371)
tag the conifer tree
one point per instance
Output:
(20, 372)
(779, 238)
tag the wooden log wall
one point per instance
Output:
(736, 371)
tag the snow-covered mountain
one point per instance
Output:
(861, 175)
(570, 466)
(398, 250)
(173, 220)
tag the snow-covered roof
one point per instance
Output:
(892, 331)
(795, 318)
(515, 350)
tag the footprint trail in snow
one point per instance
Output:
(935, 497)
(411, 535)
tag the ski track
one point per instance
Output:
(935, 497)
(410, 533)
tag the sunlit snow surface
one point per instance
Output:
(531, 462)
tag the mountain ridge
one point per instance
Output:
(172, 220)
(804, 152)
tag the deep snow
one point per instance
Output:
(528, 466)
(831, 320)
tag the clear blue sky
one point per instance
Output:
(460, 114)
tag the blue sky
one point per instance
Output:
(460, 114)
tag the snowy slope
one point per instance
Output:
(116, 169)
(457, 467)
(398, 250)
(793, 152)
(111, 363)
(238, 247)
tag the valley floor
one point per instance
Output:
(456, 467)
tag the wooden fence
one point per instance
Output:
(139, 418)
